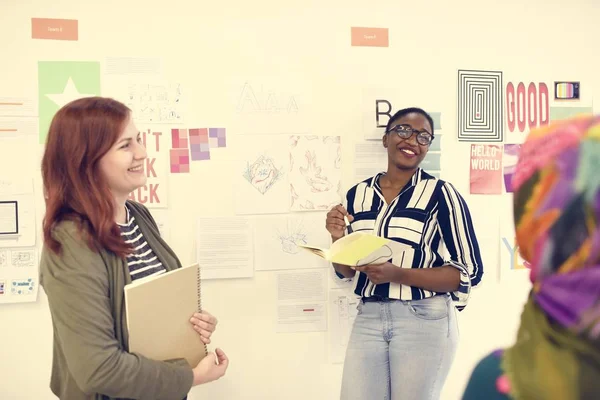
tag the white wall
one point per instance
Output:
(205, 47)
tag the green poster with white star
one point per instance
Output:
(60, 82)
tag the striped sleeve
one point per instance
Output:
(459, 236)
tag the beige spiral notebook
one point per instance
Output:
(159, 309)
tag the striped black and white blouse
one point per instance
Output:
(432, 221)
(142, 262)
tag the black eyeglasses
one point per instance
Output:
(424, 138)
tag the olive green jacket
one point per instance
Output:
(86, 299)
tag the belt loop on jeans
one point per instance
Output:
(376, 298)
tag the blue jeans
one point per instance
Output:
(400, 350)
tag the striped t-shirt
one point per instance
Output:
(431, 226)
(142, 262)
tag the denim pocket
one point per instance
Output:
(431, 308)
(359, 307)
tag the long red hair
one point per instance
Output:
(81, 133)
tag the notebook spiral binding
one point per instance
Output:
(200, 298)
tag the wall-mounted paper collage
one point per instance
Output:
(19, 259)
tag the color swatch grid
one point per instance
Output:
(217, 137)
(193, 145)
(199, 146)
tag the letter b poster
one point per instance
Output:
(486, 169)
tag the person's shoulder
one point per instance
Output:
(440, 184)
(137, 207)
(141, 212)
(427, 180)
(364, 183)
(487, 378)
(75, 250)
(69, 231)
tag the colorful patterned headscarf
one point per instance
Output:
(557, 224)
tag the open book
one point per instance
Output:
(159, 309)
(355, 249)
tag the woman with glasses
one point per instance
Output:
(405, 334)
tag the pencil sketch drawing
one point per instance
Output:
(291, 237)
(262, 174)
(314, 172)
(265, 101)
(25, 258)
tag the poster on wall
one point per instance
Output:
(283, 173)
(380, 104)
(189, 145)
(19, 263)
(156, 102)
(315, 172)
(139, 84)
(268, 105)
(18, 116)
(18, 274)
(563, 112)
(343, 308)
(301, 302)
(155, 193)
(509, 163)
(512, 265)
(527, 107)
(261, 182)
(480, 106)
(486, 169)
(54, 29)
(566, 90)
(224, 247)
(369, 37)
(537, 101)
(17, 212)
(60, 82)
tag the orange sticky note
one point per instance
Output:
(370, 37)
(54, 29)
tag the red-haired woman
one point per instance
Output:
(95, 242)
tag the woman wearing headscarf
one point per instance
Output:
(557, 223)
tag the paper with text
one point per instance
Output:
(18, 126)
(370, 158)
(18, 107)
(342, 313)
(301, 301)
(9, 221)
(19, 191)
(225, 248)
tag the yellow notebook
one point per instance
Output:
(355, 249)
(159, 309)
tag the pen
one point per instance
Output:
(347, 224)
